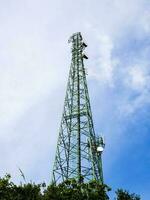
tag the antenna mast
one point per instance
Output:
(79, 151)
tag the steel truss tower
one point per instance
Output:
(79, 151)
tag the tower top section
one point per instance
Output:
(78, 45)
(75, 36)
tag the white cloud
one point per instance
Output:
(129, 107)
(28, 69)
(145, 21)
(103, 70)
(111, 69)
(137, 78)
(137, 91)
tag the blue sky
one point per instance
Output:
(34, 65)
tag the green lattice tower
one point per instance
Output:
(79, 151)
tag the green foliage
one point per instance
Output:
(6, 188)
(125, 195)
(68, 190)
(28, 192)
(71, 190)
(10, 191)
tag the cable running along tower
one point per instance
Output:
(79, 151)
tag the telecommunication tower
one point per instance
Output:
(79, 150)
